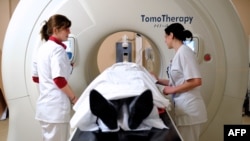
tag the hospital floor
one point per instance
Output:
(4, 127)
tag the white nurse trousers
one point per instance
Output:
(55, 131)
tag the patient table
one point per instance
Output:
(154, 134)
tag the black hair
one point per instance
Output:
(179, 31)
(58, 21)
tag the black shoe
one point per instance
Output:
(140, 108)
(103, 109)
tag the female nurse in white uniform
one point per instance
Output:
(51, 70)
(184, 84)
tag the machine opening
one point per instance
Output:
(138, 48)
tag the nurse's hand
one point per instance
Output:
(74, 100)
(168, 90)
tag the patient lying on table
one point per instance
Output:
(123, 97)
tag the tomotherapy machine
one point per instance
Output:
(97, 29)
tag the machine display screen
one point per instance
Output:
(194, 44)
(70, 43)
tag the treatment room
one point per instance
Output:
(121, 56)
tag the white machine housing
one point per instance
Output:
(215, 23)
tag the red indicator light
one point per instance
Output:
(207, 57)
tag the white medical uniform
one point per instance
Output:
(189, 106)
(53, 105)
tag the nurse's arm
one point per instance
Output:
(163, 82)
(62, 83)
(68, 91)
(186, 86)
